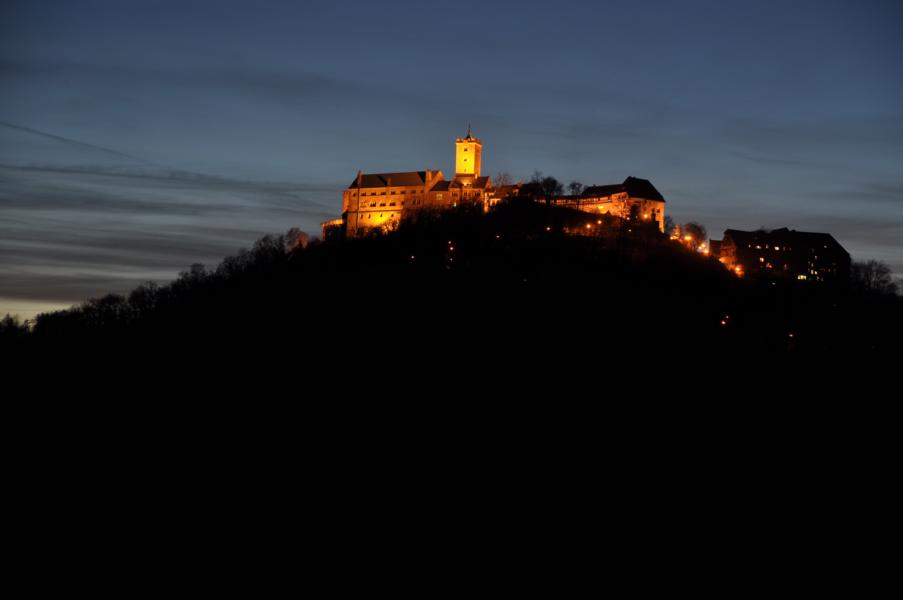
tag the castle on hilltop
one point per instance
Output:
(378, 200)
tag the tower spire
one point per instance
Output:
(468, 130)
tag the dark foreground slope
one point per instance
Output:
(467, 290)
(527, 358)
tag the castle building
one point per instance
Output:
(378, 200)
(635, 199)
(783, 253)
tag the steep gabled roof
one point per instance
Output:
(596, 191)
(441, 186)
(634, 186)
(372, 180)
(784, 236)
(641, 188)
(481, 182)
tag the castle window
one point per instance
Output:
(373, 204)
(391, 204)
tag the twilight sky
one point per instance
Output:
(137, 138)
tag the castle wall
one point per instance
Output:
(382, 206)
(620, 205)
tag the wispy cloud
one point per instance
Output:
(70, 231)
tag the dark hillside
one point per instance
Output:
(462, 287)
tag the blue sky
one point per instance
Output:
(139, 137)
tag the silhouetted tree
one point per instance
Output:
(551, 188)
(195, 271)
(295, 238)
(873, 276)
(502, 178)
(697, 234)
(669, 225)
(634, 213)
(12, 327)
(143, 299)
(533, 187)
(575, 188)
(110, 311)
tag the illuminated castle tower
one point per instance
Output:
(378, 200)
(468, 152)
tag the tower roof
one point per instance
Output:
(469, 137)
(634, 186)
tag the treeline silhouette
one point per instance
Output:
(525, 283)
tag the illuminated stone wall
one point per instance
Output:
(620, 205)
(382, 207)
(468, 156)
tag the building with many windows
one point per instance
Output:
(378, 200)
(783, 253)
